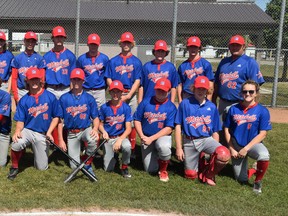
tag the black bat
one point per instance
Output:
(81, 166)
(84, 171)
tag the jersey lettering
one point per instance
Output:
(228, 77)
(193, 72)
(154, 117)
(242, 119)
(35, 111)
(155, 76)
(196, 121)
(56, 66)
(112, 120)
(95, 67)
(122, 69)
(23, 70)
(73, 111)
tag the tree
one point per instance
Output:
(273, 9)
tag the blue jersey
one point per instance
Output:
(189, 70)
(115, 118)
(245, 124)
(22, 62)
(198, 120)
(5, 110)
(155, 116)
(59, 67)
(5, 65)
(78, 111)
(37, 111)
(231, 74)
(94, 68)
(126, 69)
(152, 72)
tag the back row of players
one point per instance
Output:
(197, 119)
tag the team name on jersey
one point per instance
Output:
(92, 68)
(229, 77)
(5, 107)
(155, 76)
(23, 70)
(242, 119)
(75, 110)
(122, 69)
(259, 75)
(112, 120)
(35, 111)
(197, 121)
(154, 117)
(56, 66)
(3, 64)
(193, 72)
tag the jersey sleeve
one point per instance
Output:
(20, 114)
(94, 108)
(102, 112)
(254, 72)
(171, 117)
(209, 71)
(138, 70)
(57, 111)
(174, 77)
(180, 75)
(128, 114)
(5, 104)
(179, 114)
(228, 120)
(138, 115)
(108, 69)
(216, 124)
(264, 123)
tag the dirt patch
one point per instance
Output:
(278, 115)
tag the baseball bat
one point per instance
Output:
(84, 171)
(80, 167)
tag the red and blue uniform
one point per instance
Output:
(188, 71)
(94, 68)
(231, 74)
(78, 111)
(126, 69)
(59, 66)
(153, 71)
(246, 124)
(37, 111)
(198, 120)
(22, 62)
(5, 65)
(114, 118)
(155, 116)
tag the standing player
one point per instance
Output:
(60, 61)
(154, 122)
(232, 72)
(199, 120)
(5, 125)
(245, 127)
(94, 63)
(22, 62)
(37, 114)
(79, 110)
(126, 68)
(193, 67)
(115, 125)
(5, 63)
(157, 69)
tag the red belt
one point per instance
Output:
(114, 137)
(194, 138)
(56, 86)
(76, 130)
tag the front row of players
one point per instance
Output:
(196, 125)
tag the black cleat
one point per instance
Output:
(13, 173)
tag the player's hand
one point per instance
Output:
(146, 140)
(180, 154)
(16, 136)
(242, 153)
(234, 153)
(117, 145)
(62, 145)
(49, 137)
(94, 134)
(105, 135)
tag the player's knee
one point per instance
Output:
(126, 146)
(263, 156)
(191, 174)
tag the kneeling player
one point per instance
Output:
(199, 120)
(154, 122)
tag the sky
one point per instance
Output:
(262, 3)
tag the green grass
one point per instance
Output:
(46, 190)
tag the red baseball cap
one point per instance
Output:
(93, 39)
(237, 39)
(163, 84)
(201, 82)
(127, 36)
(58, 31)
(32, 73)
(194, 41)
(77, 73)
(31, 35)
(160, 45)
(116, 84)
(2, 36)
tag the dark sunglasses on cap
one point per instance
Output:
(248, 91)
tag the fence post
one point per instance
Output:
(77, 28)
(174, 32)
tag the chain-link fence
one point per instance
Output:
(213, 21)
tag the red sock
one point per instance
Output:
(124, 166)
(251, 172)
(163, 164)
(55, 135)
(262, 167)
(132, 138)
(15, 157)
(84, 157)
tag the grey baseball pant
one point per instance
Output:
(4, 145)
(99, 96)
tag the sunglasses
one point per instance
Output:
(248, 91)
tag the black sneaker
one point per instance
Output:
(12, 173)
(125, 173)
(257, 188)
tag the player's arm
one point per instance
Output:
(173, 94)
(140, 94)
(62, 143)
(117, 144)
(94, 131)
(215, 94)
(103, 131)
(108, 81)
(134, 88)
(210, 91)
(9, 84)
(17, 134)
(163, 132)
(138, 127)
(178, 140)
(179, 91)
(233, 152)
(215, 136)
(53, 124)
